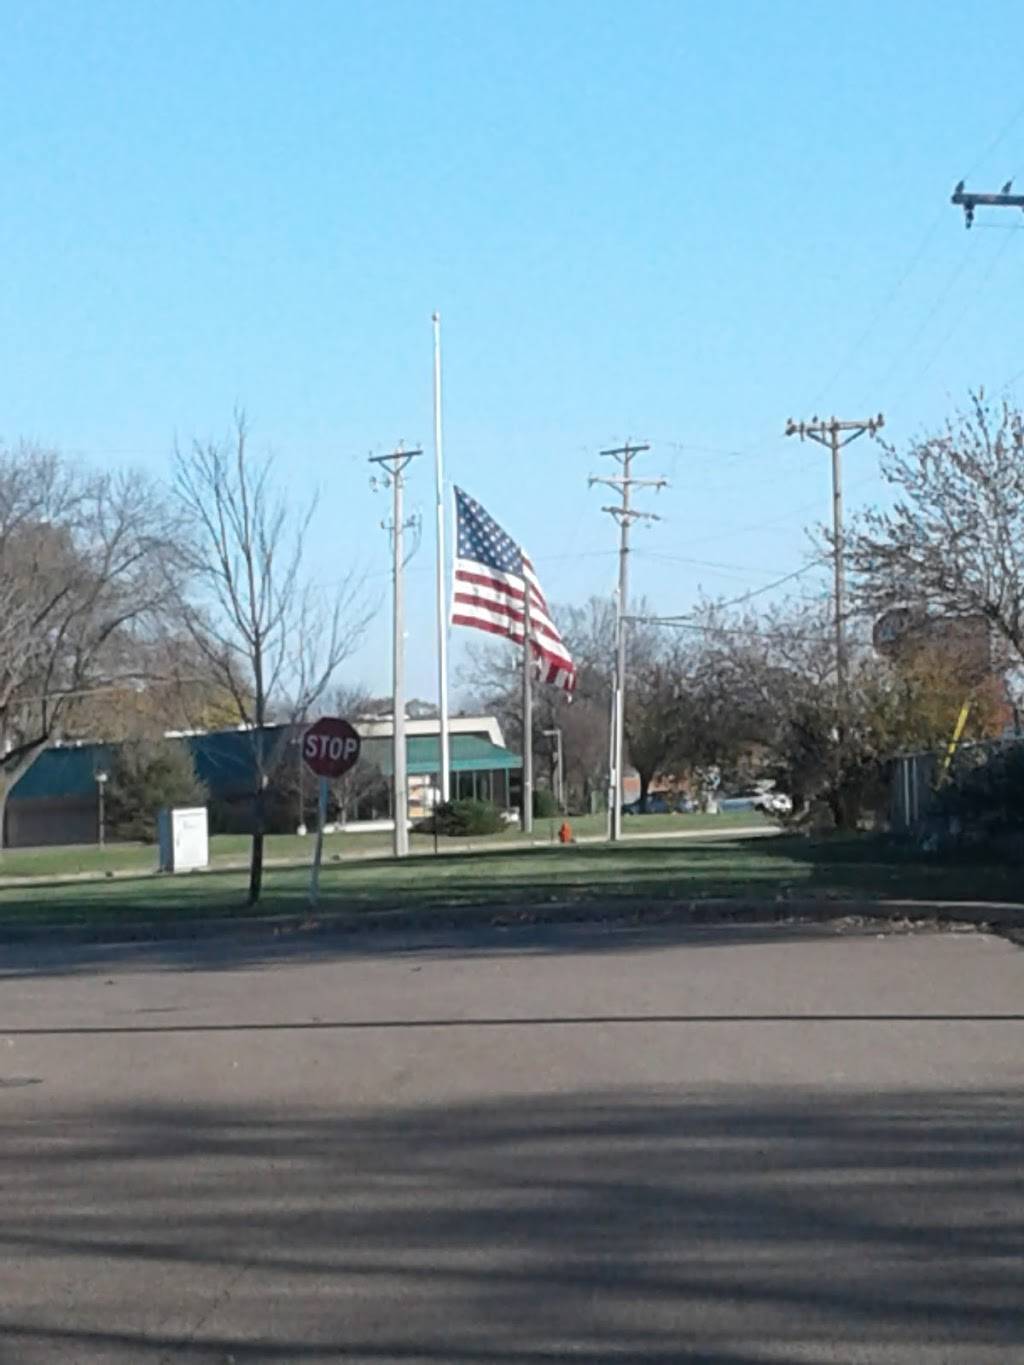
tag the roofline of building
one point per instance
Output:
(369, 727)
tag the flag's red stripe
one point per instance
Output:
(541, 631)
(558, 657)
(559, 670)
(484, 581)
(490, 626)
(537, 603)
(498, 608)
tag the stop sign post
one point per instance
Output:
(329, 748)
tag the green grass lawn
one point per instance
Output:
(640, 873)
(230, 849)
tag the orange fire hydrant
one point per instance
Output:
(565, 833)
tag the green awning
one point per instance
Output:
(469, 754)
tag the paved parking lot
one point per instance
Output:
(730, 1146)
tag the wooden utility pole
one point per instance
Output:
(625, 514)
(969, 201)
(834, 434)
(395, 464)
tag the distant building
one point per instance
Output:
(56, 801)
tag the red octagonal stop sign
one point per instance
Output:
(330, 746)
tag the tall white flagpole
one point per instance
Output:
(442, 613)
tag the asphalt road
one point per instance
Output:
(730, 1146)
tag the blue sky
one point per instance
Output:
(677, 222)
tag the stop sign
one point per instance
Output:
(330, 746)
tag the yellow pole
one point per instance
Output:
(958, 731)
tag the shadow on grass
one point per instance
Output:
(877, 865)
(727, 1227)
(786, 866)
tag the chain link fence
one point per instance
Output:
(916, 779)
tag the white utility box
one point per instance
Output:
(184, 839)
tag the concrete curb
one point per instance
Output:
(1005, 918)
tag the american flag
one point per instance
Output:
(491, 574)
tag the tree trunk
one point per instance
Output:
(645, 785)
(256, 859)
(259, 805)
(844, 807)
(9, 779)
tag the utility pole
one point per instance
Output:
(625, 514)
(969, 201)
(834, 435)
(395, 465)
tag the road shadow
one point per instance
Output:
(727, 1226)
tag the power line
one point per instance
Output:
(704, 628)
(777, 583)
(757, 525)
(704, 563)
(579, 554)
(957, 320)
(915, 259)
(998, 139)
(923, 327)
(879, 312)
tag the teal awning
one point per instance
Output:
(469, 754)
(224, 761)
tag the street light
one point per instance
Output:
(556, 734)
(101, 783)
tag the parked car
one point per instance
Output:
(656, 805)
(768, 803)
(737, 803)
(661, 805)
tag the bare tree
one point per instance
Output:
(85, 568)
(495, 674)
(954, 540)
(775, 676)
(268, 634)
(170, 689)
(774, 671)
